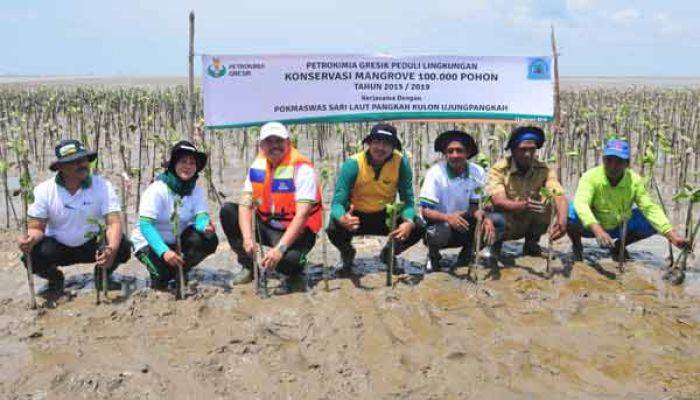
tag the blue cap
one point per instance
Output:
(618, 148)
(523, 133)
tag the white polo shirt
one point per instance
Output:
(447, 193)
(157, 203)
(67, 214)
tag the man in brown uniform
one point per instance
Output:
(514, 184)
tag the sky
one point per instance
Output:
(150, 37)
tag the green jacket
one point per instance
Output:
(346, 181)
(598, 202)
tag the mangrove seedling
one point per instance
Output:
(548, 197)
(692, 196)
(392, 213)
(175, 226)
(100, 239)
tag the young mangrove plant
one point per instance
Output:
(26, 192)
(483, 202)
(175, 226)
(325, 175)
(100, 239)
(692, 196)
(393, 210)
(548, 197)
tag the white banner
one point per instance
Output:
(251, 90)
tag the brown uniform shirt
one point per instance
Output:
(505, 179)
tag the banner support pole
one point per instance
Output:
(193, 103)
(556, 127)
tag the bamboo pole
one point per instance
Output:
(557, 106)
(193, 103)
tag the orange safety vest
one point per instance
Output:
(275, 190)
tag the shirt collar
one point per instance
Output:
(513, 168)
(451, 174)
(624, 182)
(84, 184)
(369, 158)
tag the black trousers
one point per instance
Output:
(196, 246)
(294, 259)
(371, 224)
(442, 236)
(49, 254)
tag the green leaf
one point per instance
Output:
(391, 210)
(483, 160)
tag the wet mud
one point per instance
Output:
(588, 332)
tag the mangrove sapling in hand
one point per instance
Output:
(25, 183)
(484, 201)
(624, 217)
(325, 178)
(259, 274)
(649, 160)
(692, 195)
(392, 212)
(100, 240)
(548, 197)
(175, 226)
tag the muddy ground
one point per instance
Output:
(587, 333)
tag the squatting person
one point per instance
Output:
(514, 185)
(367, 181)
(154, 239)
(282, 188)
(60, 217)
(604, 199)
(449, 199)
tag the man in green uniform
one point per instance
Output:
(367, 182)
(604, 199)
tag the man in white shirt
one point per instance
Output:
(449, 199)
(60, 228)
(281, 187)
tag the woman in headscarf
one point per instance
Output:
(154, 239)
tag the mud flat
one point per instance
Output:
(587, 333)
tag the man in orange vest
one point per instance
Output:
(281, 187)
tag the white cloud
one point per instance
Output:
(666, 25)
(626, 17)
(581, 5)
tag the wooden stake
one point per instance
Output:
(557, 107)
(193, 102)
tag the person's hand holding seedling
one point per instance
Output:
(105, 257)
(403, 231)
(272, 258)
(173, 259)
(457, 222)
(601, 236)
(535, 206)
(349, 221)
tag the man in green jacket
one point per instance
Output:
(604, 199)
(367, 182)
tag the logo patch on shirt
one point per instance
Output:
(283, 185)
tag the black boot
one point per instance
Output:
(615, 252)
(384, 257)
(433, 264)
(464, 258)
(532, 248)
(348, 259)
(111, 283)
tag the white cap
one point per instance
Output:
(273, 129)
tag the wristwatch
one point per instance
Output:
(282, 248)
